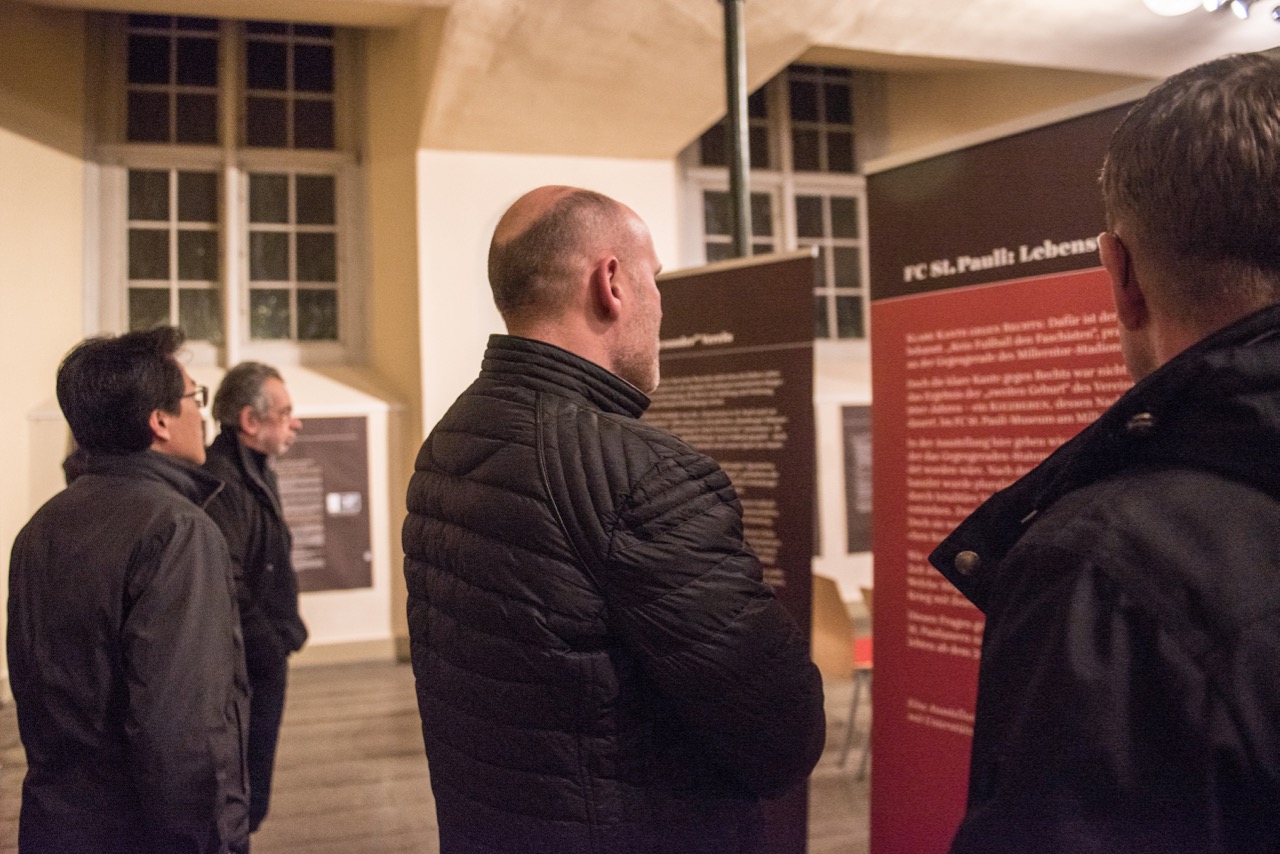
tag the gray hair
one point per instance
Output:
(243, 386)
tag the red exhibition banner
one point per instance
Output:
(994, 340)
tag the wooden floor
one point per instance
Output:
(351, 776)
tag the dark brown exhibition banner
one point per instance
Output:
(994, 341)
(324, 489)
(737, 384)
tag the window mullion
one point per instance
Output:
(231, 220)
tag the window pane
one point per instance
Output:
(269, 314)
(208, 25)
(151, 21)
(148, 254)
(848, 270)
(316, 200)
(317, 257)
(849, 317)
(820, 317)
(758, 105)
(759, 141)
(198, 256)
(804, 150)
(267, 27)
(839, 103)
(716, 215)
(313, 124)
(198, 196)
(265, 125)
(268, 198)
(839, 151)
(148, 194)
(809, 216)
(844, 217)
(200, 315)
(148, 59)
(820, 276)
(198, 119)
(713, 147)
(268, 256)
(804, 101)
(317, 315)
(761, 214)
(197, 62)
(148, 117)
(761, 248)
(268, 65)
(313, 31)
(719, 252)
(148, 308)
(313, 68)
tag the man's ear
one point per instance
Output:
(606, 288)
(159, 422)
(1126, 290)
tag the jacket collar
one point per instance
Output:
(546, 367)
(188, 479)
(1214, 407)
(250, 462)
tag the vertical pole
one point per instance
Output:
(735, 63)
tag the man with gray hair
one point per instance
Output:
(255, 412)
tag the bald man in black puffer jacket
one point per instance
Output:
(600, 667)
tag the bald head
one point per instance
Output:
(544, 243)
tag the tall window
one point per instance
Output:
(229, 174)
(806, 190)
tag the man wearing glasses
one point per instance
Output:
(255, 412)
(124, 644)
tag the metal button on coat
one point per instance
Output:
(967, 562)
(1141, 424)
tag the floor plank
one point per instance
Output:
(351, 775)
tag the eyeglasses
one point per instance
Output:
(199, 395)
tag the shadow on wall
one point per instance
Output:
(42, 77)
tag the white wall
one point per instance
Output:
(41, 261)
(461, 196)
(842, 377)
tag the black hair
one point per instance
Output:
(109, 386)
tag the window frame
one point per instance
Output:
(111, 158)
(784, 183)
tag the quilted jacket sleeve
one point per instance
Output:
(686, 596)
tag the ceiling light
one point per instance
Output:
(1239, 8)
(1169, 8)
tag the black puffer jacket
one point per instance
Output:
(599, 666)
(126, 663)
(1129, 690)
(249, 513)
